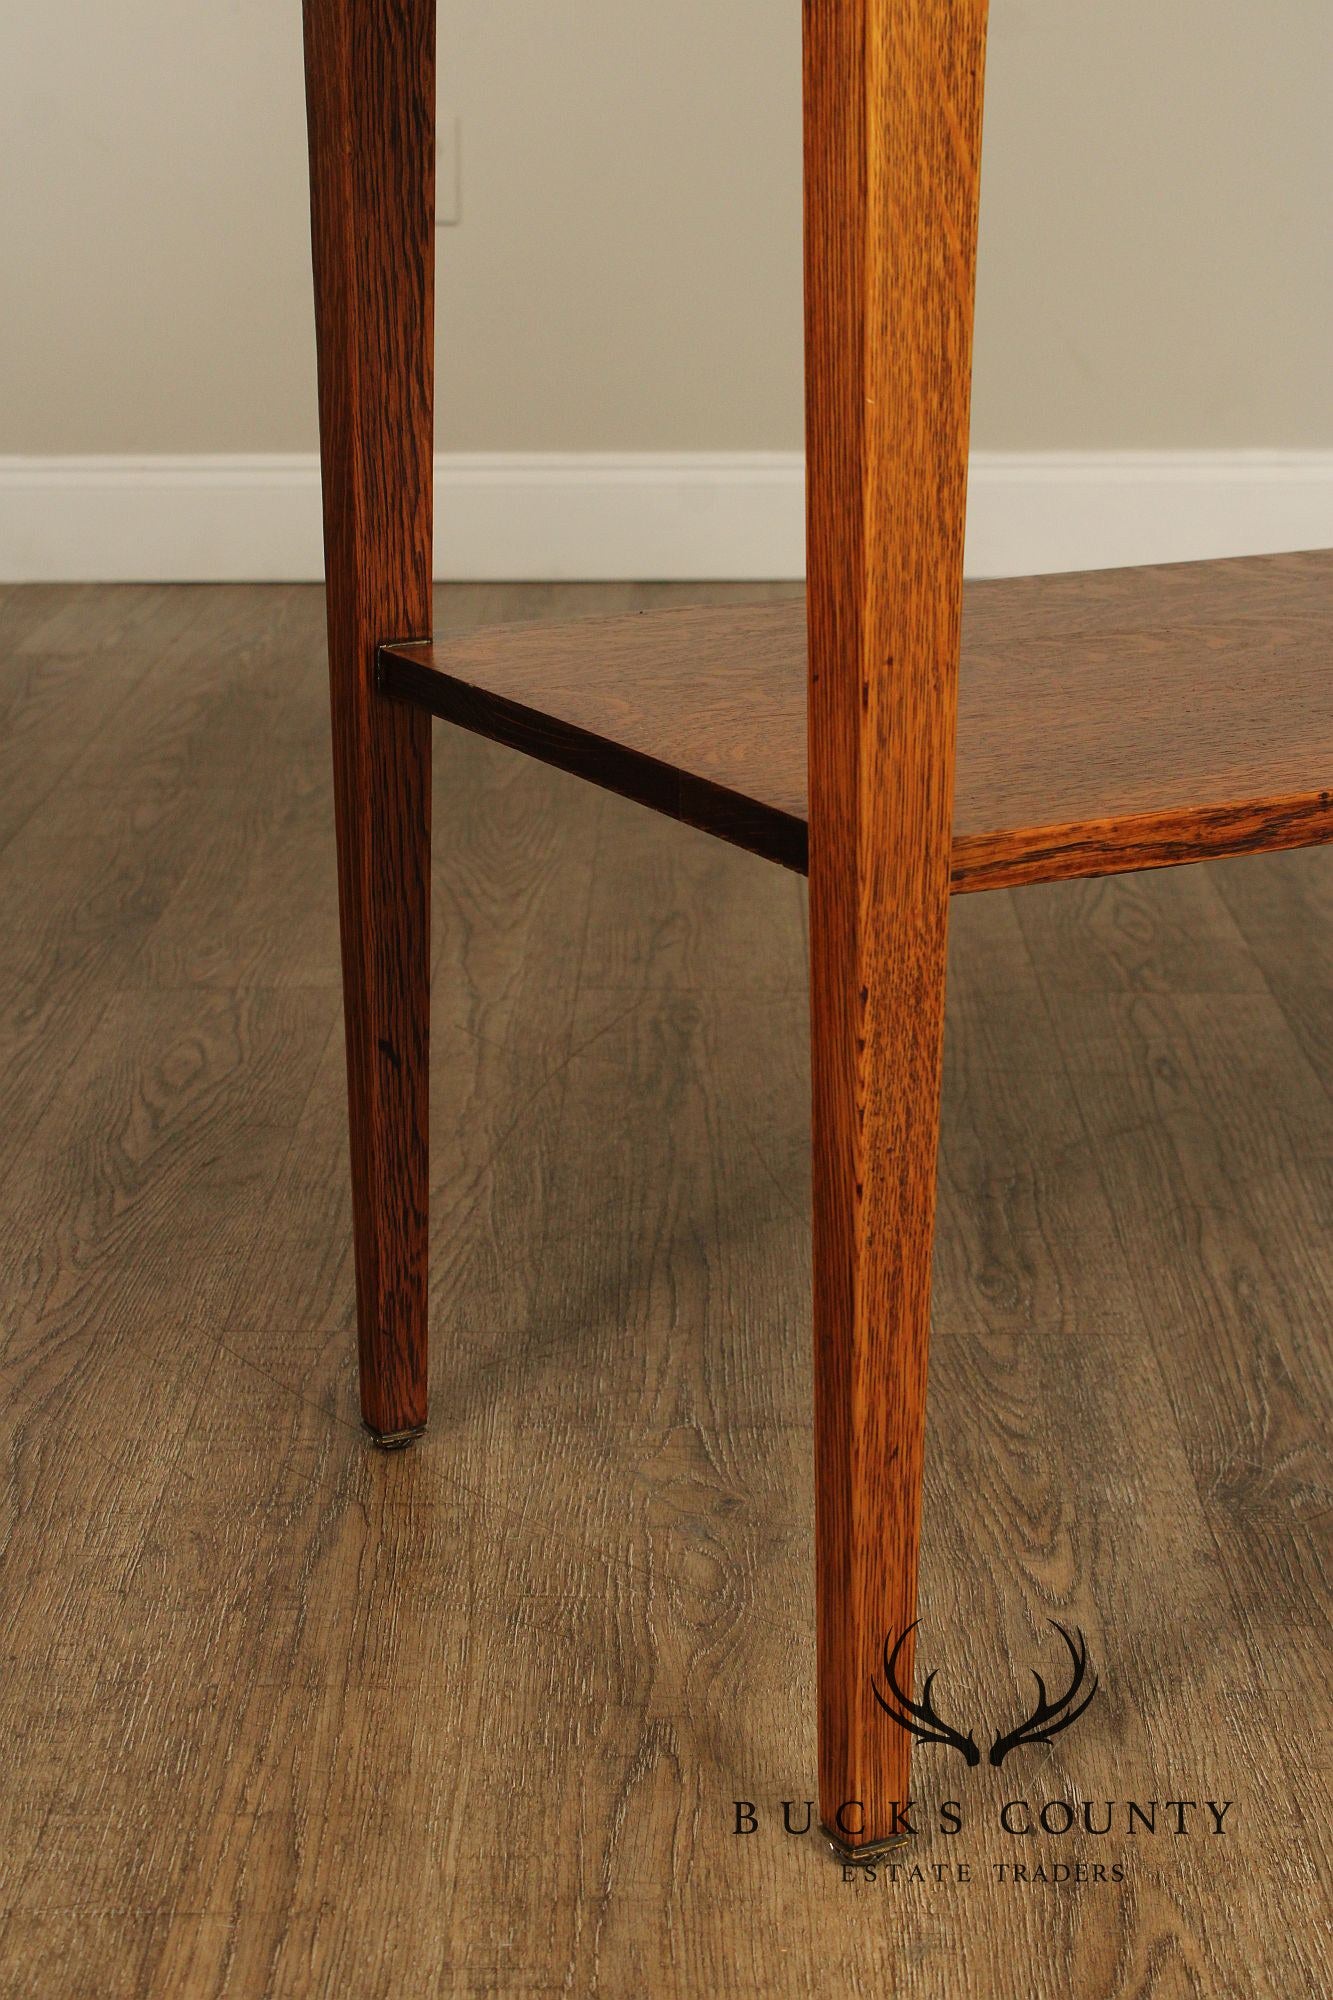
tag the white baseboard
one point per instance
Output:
(600, 516)
(1029, 512)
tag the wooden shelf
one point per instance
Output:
(1110, 720)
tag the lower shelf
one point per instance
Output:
(1110, 720)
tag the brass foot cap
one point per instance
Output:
(867, 1852)
(392, 1440)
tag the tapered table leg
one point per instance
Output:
(370, 78)
(892, 138)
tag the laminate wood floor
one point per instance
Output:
(286, 1717)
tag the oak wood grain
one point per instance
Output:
(84, 890)
(1210, 1126)
(370, 84)
(1285, 917)
(268, 1697)
(1108, 720)
(892, 125)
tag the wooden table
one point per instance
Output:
(1101, 722)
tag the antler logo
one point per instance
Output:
(920, 1719)
(1048, 1718)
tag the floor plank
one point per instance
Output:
(288, 1717)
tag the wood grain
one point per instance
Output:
(1108, 720)
(892, 156)
(83, 891)
(370, 80)
(678, 710)
(266, 1694)
(1209, 1124)
(1285, 916)
(268, 1697)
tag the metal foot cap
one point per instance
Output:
(392, 1440)
(867, 1852)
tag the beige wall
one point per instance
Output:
(1155, 268)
